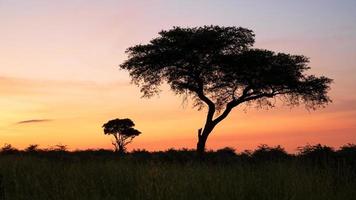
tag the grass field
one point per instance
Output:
(74, 176)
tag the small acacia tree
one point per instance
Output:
(123, 132)
(218, 68)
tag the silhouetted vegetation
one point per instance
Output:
(314, 172)
(8, 149)
(219, 68)
(123, 132)
(348, 154)
(316, 153)
(266, 153)
(32, 148)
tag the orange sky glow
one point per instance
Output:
(59, 76)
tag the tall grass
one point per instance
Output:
(28, 176)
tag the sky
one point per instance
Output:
(60, 80)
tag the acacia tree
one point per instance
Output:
(123, 132)
(219, 68)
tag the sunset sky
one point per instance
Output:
(60, 81)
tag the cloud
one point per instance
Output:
(30, 121)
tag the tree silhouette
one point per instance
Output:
(218, 68)
(32, 148)
(123, 132)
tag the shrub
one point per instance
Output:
(8, 149)
(32, 148)
(347, 153)
(265, 152)
(318, 154)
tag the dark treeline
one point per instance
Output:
(318, 154)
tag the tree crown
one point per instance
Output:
(121, 126)
(218, 66)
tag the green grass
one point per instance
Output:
(30, 177)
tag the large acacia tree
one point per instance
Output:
(218, 67)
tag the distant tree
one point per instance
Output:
(265, 152)
(218, 68)
(348, 154)
(315, 149)
(348, 149)
(32, 148)
(59, 148)
(318, 154)
(8, 149)
(123, 132)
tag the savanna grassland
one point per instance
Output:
(317, 172)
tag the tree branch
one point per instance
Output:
(205, 99)
(243, 98)
(226, 112)
(129, 141)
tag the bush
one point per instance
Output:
(226, 151)
(348, 150)
(314, 151)
(347, 153)
(8, 149)
(141, 154)
(32, 148)
(267, 153)
(59, 148)
(319, 154)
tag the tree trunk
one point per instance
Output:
(203, 136)
(209, 126)
(210, 121)
(119, 145)
(121, 150)
(201, 145)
